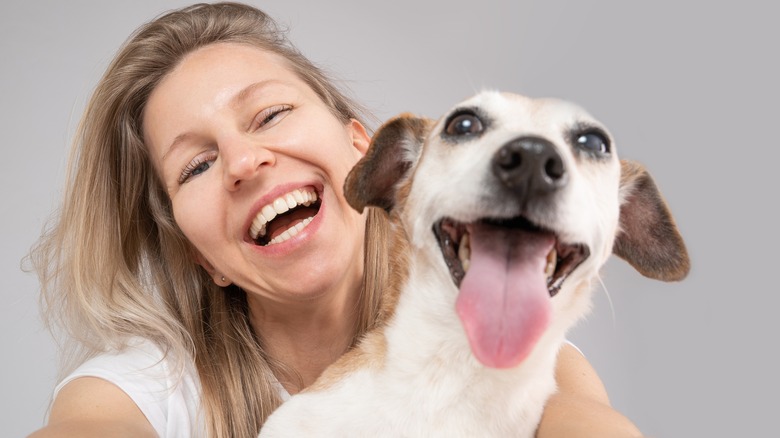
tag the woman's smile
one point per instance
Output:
(285, 218)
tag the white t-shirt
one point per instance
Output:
(167, 396)
(170, 399)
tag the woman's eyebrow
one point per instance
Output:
(181, 138)
(242, 96)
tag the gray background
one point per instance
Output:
(687, 87)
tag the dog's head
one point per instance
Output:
(518, 202)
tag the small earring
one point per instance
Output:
(222, 279)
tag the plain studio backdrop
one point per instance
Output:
(689, 88)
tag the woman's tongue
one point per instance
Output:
(285, 221)
(504, 303)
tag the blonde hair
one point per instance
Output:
(114, 265)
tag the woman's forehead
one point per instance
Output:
(215, 79)
(229, 65)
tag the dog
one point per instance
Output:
(502, 213)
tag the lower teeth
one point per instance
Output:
(291, 232)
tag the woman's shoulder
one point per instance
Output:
(163, 385)
(139, 362)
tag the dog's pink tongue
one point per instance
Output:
(504, 303)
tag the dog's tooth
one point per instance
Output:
(552, 261)
(464, 251)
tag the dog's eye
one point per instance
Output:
(464, 124)
(593, 142)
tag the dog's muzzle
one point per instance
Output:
(530, 171)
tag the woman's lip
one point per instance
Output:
(273, 194)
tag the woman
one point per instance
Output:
(205, 258)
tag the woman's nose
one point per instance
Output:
(243, 161)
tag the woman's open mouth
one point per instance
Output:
(285, 217)
(556, 259)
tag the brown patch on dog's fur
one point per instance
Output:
(648, 238)
(368, 354)
(399, 270)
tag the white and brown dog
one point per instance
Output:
(503, 212)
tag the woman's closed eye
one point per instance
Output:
(198, 165)
(270, 116)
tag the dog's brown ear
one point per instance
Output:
(648, 238)
(394, 148)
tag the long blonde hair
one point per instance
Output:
(114, 265)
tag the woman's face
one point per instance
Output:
(254, 163)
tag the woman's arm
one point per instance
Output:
(92, 407)
(581, 407)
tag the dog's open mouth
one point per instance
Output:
(506, 271)
(455, 241)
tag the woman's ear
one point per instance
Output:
(360, 137)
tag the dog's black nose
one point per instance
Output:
(529, 166)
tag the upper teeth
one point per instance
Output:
(464, 252)
(552, 261)
(280, 205)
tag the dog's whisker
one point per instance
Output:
(470, 80)
(609, 300)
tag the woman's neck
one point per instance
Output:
(306, 336)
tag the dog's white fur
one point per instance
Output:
(416, 375)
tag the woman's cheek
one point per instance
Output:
(191, 213)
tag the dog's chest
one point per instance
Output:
(428, 385)
(391, 402)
